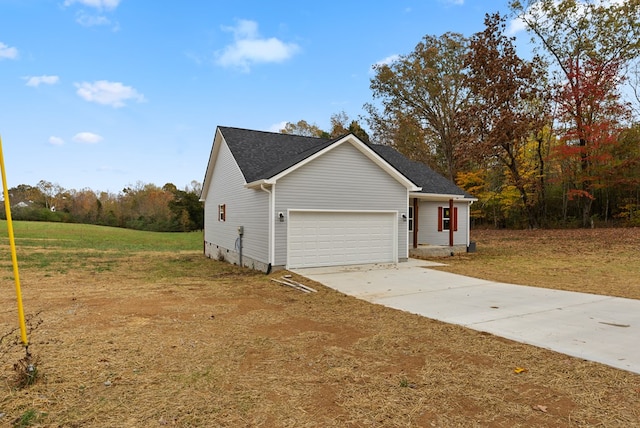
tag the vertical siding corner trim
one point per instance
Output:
(271, 221)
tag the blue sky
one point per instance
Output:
(103, 94)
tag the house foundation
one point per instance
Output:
(437, 250)
(222, 254)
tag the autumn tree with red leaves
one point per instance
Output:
(507, 110)
(589, 42)
(592, 116)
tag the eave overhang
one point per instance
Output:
(441, 197)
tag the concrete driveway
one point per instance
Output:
(596, 328)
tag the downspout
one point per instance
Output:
(271, 228)
(469, 223)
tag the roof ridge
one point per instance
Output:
(272, 132)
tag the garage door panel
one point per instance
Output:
(340, 238)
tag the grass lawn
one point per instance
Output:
(599, 261)
(133, 329)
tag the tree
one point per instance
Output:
(49, 191)
(24, 193)
(358, 131)
(304, 129)
(424, 89)
(83, 206)
(593, 116)
(627, 175)
(585, 40)
(188, 211)
(146, 207)
(505, 110)
(341, 125)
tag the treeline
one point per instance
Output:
(142, 207)
(549, 141)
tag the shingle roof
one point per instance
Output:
(419, 173)
(261, 155)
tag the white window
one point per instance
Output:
(446, 218)
(222, 212)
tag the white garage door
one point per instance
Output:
(340, 238)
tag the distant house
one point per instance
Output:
(285, 201)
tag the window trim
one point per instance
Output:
(452, 219)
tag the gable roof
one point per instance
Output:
(262, 155)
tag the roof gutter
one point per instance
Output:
(259, 184)
(442, 197)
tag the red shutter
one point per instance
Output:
(439, 219)
(455, 218)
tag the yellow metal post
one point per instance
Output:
(14, 257)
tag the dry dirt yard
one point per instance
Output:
(163, 339)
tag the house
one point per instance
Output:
(286, 201)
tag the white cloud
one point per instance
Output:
(56, 141)
(277, 127)
(87, 138)
(104, 92)
(87, 20)
(388, 60)
(385, 61)
(8, 52)
(98, 4)
(249, 48)
(516, 25)
(36, 81)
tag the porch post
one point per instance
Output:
(451, 222)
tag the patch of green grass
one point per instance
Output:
(28, 418)
(63, 247)
(66, 247)
(47, 235)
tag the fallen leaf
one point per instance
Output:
(519, 370)
(540, 407)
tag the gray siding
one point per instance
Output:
(244, 207)
(341, 179)
(428, 224)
